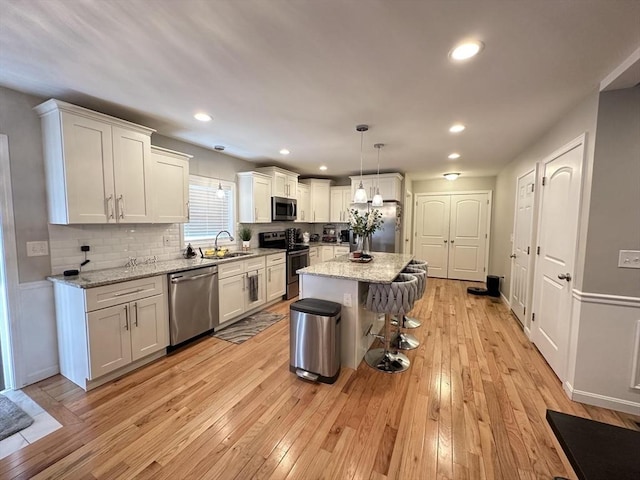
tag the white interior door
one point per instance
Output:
(432, 232)
(468, 237)
(557, 239)
(522, 244)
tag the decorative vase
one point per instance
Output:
(362, 243)
(246, 244)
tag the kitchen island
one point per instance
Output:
(345, 282)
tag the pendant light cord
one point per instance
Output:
(361, 145)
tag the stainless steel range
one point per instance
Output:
(297, 255)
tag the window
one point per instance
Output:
(208, 214)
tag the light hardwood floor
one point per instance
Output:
(472, 405)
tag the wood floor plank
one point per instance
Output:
(472, 405)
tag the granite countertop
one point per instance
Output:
(382, 269)
(97, 278)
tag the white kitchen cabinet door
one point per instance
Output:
(170, 186)
(303, 203)
(338, 251)
(149, 330)
(132, 174)
(390, 188)
(340, 202)
(109, 339)
(280, 185)
(231, 293)
(314, 255)
(254, 197)
(390, 185)
(80, 176)
(291, 186)
(276, 281)
(326, 253)
(320, 200)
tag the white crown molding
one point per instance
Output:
(605, 299)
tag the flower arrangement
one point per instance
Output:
(366, 224)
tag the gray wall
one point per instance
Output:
(22, 127)
(579, 120)
(614, 216)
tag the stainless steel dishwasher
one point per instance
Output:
(193, 303)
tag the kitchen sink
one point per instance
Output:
(228, 255)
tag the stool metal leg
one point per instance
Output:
(408, 322)
(405, 341)
(383, 359)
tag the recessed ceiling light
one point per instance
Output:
(453, 156)
(466, 50)
(203, 117)
(456, 128)
(451, 176)
(284, 151)
(323, 168)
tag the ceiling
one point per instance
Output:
(302, 74)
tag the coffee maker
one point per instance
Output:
(344, 236)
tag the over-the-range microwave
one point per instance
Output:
(283, 209)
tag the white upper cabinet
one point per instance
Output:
(390, 186)
(304, 204)
(254, 197)
(98, 167)
(170, 186)
(284, 183)
(340, 202)
(319, 199)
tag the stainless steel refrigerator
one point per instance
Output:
(387, 239)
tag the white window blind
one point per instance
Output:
(209, 214)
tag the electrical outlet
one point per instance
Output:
(37, 249)
(346, 300)
(629, 259)
(166, 241)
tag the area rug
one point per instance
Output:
(246, 328)
(12, 418)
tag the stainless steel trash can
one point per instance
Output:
(315, 339)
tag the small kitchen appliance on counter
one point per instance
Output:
(297, 255)
(344, 236)
(329, 233)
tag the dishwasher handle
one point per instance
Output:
(194, 277)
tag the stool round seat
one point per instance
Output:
(421, 276)
(411, 322)
(422, 264)
(395, 298)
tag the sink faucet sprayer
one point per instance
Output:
(222, 231)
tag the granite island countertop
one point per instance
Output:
(382, 269)
(98, 278)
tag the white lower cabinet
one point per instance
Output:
(276, 276)
(234, 287)
(340, 250)
(314, 255)
(104, 332)
(326, 253)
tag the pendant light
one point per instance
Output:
(361, 194)
(377, 198)
(220, 191)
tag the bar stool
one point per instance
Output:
(395, 298)
(410, 322)
(403, 340)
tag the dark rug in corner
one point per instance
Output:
(12, 418)
(244, 329)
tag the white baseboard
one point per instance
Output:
(504, 300)
(597, 400)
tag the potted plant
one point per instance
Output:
(245, 234)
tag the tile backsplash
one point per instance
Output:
(111, 245)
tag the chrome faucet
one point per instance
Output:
(222, 231)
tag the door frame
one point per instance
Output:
(463, 192)
(408, 225)
(9, 328)
(533, 242)
(576, 142)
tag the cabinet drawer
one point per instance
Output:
(276, 259)
(229, 269)
(340, 251)
(313, 252)
(254, 264)
(110, 295)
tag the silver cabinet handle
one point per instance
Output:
(126, 317)
(565, 276)
(244, 278)
(269, 275)
(513, 255)
(135, 306)
(110, 204)
(120, 206)
(188, 211)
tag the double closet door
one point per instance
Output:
(451, 234)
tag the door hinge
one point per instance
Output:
(524, 311)
(486, 235)
(544, 181)
(533, 317)
(528, 250)
(484, 269)
(533, 187)
(487, 202)
(538, 250)
(416, 203)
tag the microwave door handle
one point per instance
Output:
(295, 210)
